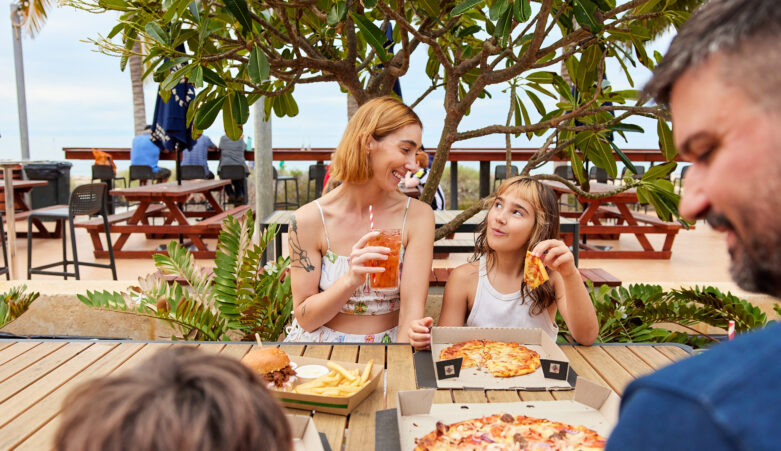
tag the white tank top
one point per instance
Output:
(494, 309)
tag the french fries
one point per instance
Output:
(340, 382)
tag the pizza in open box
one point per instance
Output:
(506, 431)
(502, 359)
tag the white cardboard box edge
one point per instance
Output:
(303, 428)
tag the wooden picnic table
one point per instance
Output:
(176, 222)
(36, 375)
(21, 209)
(626, 221)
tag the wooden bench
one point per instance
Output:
(215, 222)
(95, 225)
(598, 276)
(642, 224)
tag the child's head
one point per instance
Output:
(180, 398)
(543, 217)
(376, 118)
(421, 158)
(522, 213)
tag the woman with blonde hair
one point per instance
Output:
(329, 256)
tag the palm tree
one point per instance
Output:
(33, 14)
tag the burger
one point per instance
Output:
(274, 367)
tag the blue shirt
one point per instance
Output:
(144, 152)
(198, 154)
(727, 398)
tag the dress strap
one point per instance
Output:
(404, 221)
(325, 230)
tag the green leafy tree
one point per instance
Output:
(242, 50)
(241, 299)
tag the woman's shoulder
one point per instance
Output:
(306, 216)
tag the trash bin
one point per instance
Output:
(58, 173)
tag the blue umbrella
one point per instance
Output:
(169, 124)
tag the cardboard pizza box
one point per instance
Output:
(594, 406)
(305, 436)
(340, 405)
(555, 373)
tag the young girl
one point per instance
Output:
(419, 177)
(490, 290)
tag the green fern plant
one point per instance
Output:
(241, 299)
(637, 313)
(14, 302)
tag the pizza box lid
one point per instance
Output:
(305, 436)
(473, 378)
(594, 406)
(332, 404)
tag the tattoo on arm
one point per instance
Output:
(303, 311)
(298, 256)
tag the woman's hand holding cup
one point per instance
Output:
(361, 257)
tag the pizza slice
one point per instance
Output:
(534, 273)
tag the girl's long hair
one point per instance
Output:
(546, 227)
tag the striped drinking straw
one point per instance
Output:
(731, 330)
(371, 218)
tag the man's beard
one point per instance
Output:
(755, 260)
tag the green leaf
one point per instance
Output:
(431, 7)
(504, 25)
(239, 108)
(537, 102)
(584, 12)
(464, 6)
(605, 5)
(497, 9)
(120, 5)
(155, 32)
(621, 127)
(624, 159)
(373, 35)
(175, 77)
(195, 11)
(229, 121)
(211, 77)
(587, 69)
(540, 77)
(525, 117)
(117, 28)
(577, 165)
(659, 171)
(207, 112)
(239, 10)
(337, 13)
(259, 68)
(369, 4)
(196, 76)
(522, 10)
(666, 139)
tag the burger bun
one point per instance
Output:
(266, 360)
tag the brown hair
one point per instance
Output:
(546, 227)
(179, 399)
(748, 30)
(376, 118)
(422, 159)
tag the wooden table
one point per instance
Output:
(36, 375)
(21, 209)
(175, 220)
(627, 221)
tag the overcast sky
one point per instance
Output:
(77, 97)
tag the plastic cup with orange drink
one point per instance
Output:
(389, 279)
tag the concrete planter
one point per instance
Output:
(59, 312)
